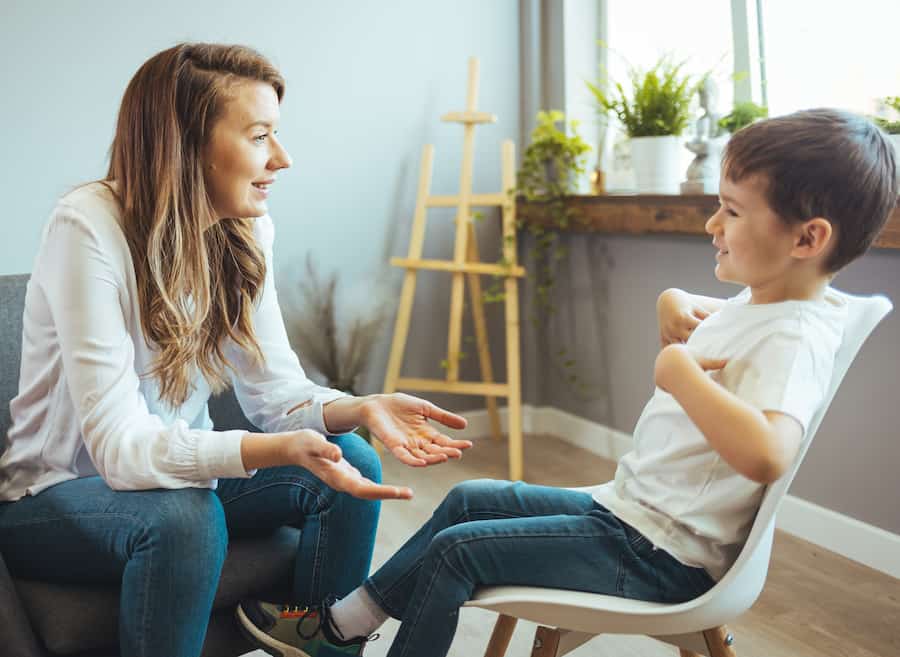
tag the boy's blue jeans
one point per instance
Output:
(489, 533)
(166, 547)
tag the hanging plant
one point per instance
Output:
(550, 169)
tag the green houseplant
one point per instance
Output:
(551, 165)
(742, 115)
(890, 126)
(654, 114)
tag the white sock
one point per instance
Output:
(357, 614)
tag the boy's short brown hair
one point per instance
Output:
(821, 163)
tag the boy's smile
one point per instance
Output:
(754, 245)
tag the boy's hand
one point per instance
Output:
(678, 315)
(675, 362)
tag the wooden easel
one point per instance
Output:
(466, 265)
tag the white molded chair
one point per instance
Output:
(696, 626)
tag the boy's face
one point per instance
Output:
(754, 243)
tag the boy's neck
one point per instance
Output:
(792, 288)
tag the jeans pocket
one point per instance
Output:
(640, 545)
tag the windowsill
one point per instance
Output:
(638, 214)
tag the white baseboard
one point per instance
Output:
(833, 531)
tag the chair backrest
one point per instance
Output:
(12, 304)
(744, 581)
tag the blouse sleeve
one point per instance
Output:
(275, 395)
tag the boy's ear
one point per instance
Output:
(813, 238)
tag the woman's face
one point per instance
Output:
(243, 153)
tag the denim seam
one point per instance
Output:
(69, 516)
(320, 555)
(143, 629)
(620, 576)
(418, 612)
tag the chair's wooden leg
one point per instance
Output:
(719, 641)
(687, 653)
(503, 630)
(546, 642)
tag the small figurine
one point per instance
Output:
(707, 144)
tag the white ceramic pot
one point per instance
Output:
(658, 164)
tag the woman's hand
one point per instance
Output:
(312, 451)
(401, 423)
(678, 314)
(675, 363)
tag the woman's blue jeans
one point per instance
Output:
(166, 547)
(488, 533)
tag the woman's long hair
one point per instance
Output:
(198, 277)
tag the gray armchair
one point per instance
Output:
(40, 619)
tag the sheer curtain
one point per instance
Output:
(557, 47)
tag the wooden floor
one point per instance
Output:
(815, 604)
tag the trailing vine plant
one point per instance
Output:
(551, 166)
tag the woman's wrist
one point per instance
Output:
(266, 450)
(344, 413)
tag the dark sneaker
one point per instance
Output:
(291, 631)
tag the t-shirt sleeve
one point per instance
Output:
(786, 372)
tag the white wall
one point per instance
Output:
(366, 85)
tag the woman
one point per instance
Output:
(153, 288)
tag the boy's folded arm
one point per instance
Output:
(760, 445)
(678, 313)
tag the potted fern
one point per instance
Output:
(654, 116)
(742, 115)
(891, 126)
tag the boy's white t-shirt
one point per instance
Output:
(673, 486)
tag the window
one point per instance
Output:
(698, 31)
(794, 54)
(831, 53)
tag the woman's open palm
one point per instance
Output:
(401, 423)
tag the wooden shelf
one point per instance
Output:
(634, 214)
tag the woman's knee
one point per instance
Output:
(360, 455)
(189, 520)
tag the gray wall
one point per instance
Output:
(366, 85)
(852, 464)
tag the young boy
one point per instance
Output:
(738, 381)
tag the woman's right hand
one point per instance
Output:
(678, 315)
(310, 450)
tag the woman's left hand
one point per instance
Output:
(401, 423)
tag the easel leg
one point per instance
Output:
(484, 353)
(513, 373)
(511, 289)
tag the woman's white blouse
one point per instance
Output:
(85, 404)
